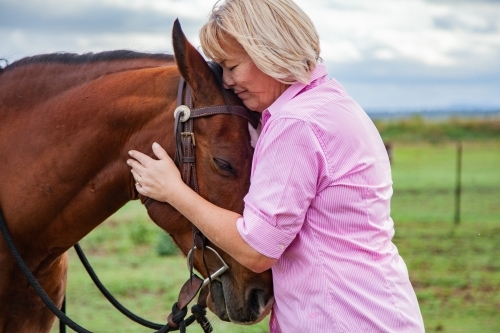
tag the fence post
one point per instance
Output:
(458, 184)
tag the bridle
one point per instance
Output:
(185, 144)
(185, 159)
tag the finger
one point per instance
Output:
(141, 190)
(159, 151)
(142, 158)
(136, 166)
(139, 181)
(136, 176)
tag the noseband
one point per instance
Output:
(185, 144)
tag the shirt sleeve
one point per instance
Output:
(287, 163)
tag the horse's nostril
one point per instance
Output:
(257, 301)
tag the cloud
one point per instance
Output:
(31, 26)
(433, 33)
(365, 43)
(105, 18)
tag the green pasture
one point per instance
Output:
(455, 269)
(424, 177)
(124, 253)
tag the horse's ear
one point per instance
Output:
(193, 68)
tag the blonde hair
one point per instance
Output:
(277, 35)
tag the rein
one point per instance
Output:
(185, 159)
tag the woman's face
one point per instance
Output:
(256, 89)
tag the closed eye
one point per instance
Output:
(224, 166)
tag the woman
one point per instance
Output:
(317, 212)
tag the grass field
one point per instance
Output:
(455, 269)
(424, 177)
(123, 252)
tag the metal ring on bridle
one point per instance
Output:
(186, 112)
(215, 275)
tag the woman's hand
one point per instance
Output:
(157, 179)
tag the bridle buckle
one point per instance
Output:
(191, 134)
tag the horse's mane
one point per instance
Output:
(85, 58)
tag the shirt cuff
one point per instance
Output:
(262, 236)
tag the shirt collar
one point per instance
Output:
(292, 91)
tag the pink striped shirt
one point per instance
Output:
(319, 202)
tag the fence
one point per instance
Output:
(453, 182)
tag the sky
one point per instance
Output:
(390, 55)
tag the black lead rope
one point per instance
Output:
(34, 283)
(198, 315)
(62, 326)
(111, 298)
(65, 320)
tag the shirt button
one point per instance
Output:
(281, 246)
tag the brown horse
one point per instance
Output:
(66, 124)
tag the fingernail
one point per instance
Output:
(130, 152)
(128, 162)
(155, 145)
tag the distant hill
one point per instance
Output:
(434, 114)
(439, 127)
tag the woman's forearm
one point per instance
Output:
(219, 225)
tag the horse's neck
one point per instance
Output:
(43, 81)
(133, 118)
(76, 148)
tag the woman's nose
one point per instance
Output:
(227, 79)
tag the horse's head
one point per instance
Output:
(223, 160)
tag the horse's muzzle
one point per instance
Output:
(228, 305)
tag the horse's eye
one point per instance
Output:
(224, 166)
